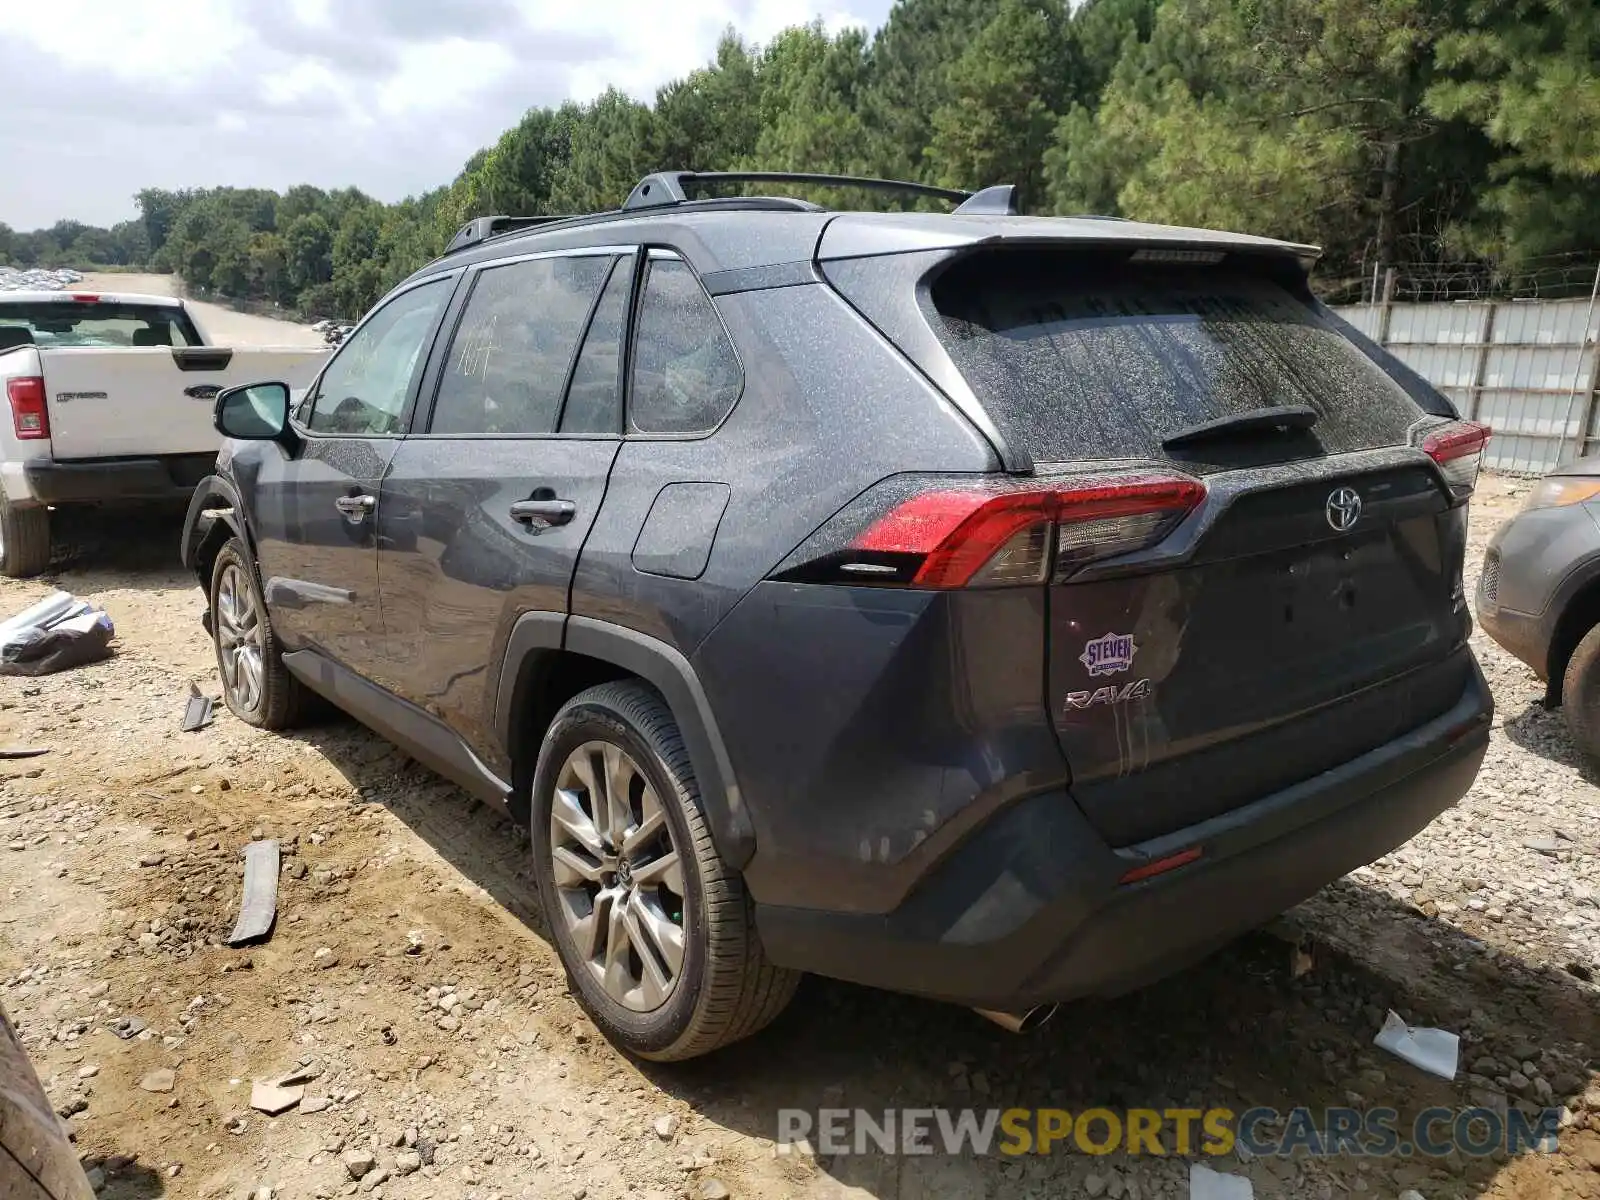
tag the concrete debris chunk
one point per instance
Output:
(273, 1099)
(162, 1079)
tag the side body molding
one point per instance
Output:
(420, 734)
(671, 674)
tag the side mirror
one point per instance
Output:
(255, 412)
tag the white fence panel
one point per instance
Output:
(1528, 368)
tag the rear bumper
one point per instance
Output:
(1030, 909)
(98, 481)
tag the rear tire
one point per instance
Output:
(24, 540)
(1580, 695)
(256, 686)
(690, 975)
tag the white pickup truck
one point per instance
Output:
(110, 400)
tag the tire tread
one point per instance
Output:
(743, 992)
(27, 541)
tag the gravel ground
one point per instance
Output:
(409, 980)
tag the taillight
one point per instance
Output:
(29, 417)
(943, 533)
(1457, 447)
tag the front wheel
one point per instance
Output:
(654, 929)
(1580, 695)
(256, 686)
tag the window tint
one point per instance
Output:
(685, 373)
(362, 392)
(594, 401)
(508, 363)
(1086, 357)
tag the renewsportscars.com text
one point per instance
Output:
(1264, 1132)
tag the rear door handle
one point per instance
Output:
(356, 507)
(539, 515)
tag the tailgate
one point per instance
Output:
(1281, 647)
(1309, 611)
(122, 403)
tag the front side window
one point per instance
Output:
(363, 391)
(686, 375)
(517, 339)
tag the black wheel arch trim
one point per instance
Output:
(204, 511)
(670, 673)
(1556, 629)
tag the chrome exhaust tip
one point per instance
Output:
(1019, 1022)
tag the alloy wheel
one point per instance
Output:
(241, 638)
(618, 876)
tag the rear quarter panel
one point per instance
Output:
(828, 409)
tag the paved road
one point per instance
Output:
(221, 325)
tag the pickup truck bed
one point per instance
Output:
(110, 400)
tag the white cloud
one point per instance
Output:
(390, 96)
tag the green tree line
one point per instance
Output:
(1383, 130)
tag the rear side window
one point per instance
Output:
(594, 398)
(686, 375)
(1082, 357)
(57, 324)
(508, 364)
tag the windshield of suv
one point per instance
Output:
(1083, 357)
(57, 324)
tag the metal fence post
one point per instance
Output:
(1388, 308)
(1581, 441)
(1480, 369)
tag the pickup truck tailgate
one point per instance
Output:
(121, 403)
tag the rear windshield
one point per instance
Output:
(1082, 357)
(55, 324)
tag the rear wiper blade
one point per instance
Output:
(1257, 420)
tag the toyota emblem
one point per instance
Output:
(1344, 509)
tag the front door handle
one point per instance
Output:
(539, 515)
(356, 507)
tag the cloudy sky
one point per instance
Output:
(103, 97)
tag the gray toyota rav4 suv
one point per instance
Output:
(994, 608)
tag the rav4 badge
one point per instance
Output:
(1139, 689)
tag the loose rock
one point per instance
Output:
(357, 1162)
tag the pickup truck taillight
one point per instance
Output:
(29, 417)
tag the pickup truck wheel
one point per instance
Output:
(654, 929)
(1580, 695)
(256, 686)
(24, 540)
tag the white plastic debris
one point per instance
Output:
(58, 633)
(1436, 1051)
(55, 607)
(1206, 1184)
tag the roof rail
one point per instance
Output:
(667, 187)
(481, 229)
